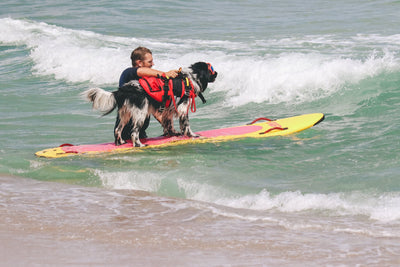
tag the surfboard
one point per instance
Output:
(259, 128)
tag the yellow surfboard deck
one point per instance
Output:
(261, 128)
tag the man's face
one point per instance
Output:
(146, 62)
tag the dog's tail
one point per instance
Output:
(103, 101)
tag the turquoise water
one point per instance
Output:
(274, 59)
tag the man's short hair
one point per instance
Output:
(138, 54)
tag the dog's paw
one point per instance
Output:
(175, 134)
(119, 142)
(138, 144)
(170, 134)
(142, 135)
(192, 134)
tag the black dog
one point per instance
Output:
(172, 97)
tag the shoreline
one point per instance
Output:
(49, 223)
(25, 241)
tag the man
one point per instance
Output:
(142, 63)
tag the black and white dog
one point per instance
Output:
(134, 101)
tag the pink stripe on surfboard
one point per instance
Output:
(233, 131)
(240, 130)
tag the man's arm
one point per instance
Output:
(143, 71)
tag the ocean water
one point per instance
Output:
(327, 196)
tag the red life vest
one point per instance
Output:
(161, 92)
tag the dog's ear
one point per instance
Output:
(199, 67)
(204, 71)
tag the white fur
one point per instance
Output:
(102, 100)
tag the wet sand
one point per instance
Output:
(53, 224)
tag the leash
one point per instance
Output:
(192, 102)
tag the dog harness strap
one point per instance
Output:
(188, 86)
(193, 106)
(148, 84)
(164, 90)
(166, 96)
(192, 102)
(174, 102)
(189, 91)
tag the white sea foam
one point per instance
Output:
(71, 55)
(383, 207)
(380, 207)
(273, 71)
(295, 76)
(130, 180)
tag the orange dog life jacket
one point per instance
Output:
(164, 90)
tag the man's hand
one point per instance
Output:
(172, 73)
